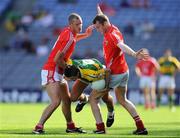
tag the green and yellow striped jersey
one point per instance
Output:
(90, 69)
(168, 66)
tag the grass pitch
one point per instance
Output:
(18, 120)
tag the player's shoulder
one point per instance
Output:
(161, 59)
(66, 31)
(141, 62)
(116, 32)
(114, 35)
(173, 58)
(66, 34)
(115, 29)
(153, 59)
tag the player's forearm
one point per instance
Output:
(126, 49)
(157, 67)
(99, 10)
(59, 60)
(138, 72)
(61, 63)
(107, 78)
(82, 36)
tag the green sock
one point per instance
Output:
(171, 101)
(158, 100)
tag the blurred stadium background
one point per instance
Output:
(29, 29)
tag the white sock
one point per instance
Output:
(87, 98)
(111, 113)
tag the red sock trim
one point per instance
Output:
(38, 126)
(71, 125)
(100, 126)
(139, 123)
(136, 118)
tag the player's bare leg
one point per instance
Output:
(77, 94)
(66, 109)
(129, 106)
(96, 110)
(146, 97)
(108, 100)
(153, 97)
(66, 102)
(53, 90)
(77, 91)
(160, 92)
(171, 99)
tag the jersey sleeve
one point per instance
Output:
(64, 41)
(138, 64)
(115, 37)
(176, 62)
(160, 60)
(154, 62)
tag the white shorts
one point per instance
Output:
(146, 82)
(48, 76)
(119, 80)
(166, 82)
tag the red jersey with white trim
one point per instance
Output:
(114, 57)
(148, 67)
(65, 43)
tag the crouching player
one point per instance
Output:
(85, 72)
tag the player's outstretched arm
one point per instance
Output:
(138, 72)
(99, 11)
(177, 63)
(87, 33)
(157, 66)
(141, 54)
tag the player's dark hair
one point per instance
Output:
(101, 18)
(73, 16)
(71, 71)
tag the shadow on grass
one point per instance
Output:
(111, 132)
(165, 123)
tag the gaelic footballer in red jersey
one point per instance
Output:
(114, 49)
(51, 74)
(147, 71)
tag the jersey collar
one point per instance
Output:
(74, 34)
(109, 29)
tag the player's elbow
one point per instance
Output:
(59, 57)
(55, 60)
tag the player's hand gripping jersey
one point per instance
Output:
(90, 69)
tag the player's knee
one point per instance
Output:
(106, 99)
(66, 101)
(73, 99)
(92, 99)
(65, 97)
(55, 103)
(123, 102)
